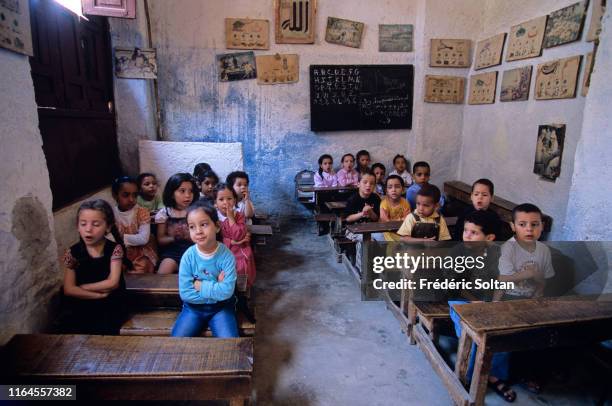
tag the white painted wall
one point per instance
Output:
(28, 264)
(164, 159)
(499, 140)
(588, 213)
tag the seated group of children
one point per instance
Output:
(189, 228)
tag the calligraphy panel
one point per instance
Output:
(295, 21)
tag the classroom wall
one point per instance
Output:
(588, 212)
(30, 275)
(499, 140)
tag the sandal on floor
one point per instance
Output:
(503, 390)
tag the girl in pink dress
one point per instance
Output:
(347, 176)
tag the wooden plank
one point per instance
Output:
(336, 205)
(456, 390)
(260, 229)
(151, 283)
(432, 309)
(361, 228)
(326, 189)
(491, 316)
(325, 217)
(396, 311)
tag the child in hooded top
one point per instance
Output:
(239, 181)
(393, 206)
(208, 180)
(93, 282)
(421, 173)
(400, 165)
(363, 162)
(347, 176)
(379, 170)
(134, 225)
(325, 176)
(147, 193)
(207, 277)
(172, 232)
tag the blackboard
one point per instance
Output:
(361, 97)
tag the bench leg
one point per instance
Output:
(239, 402)
(482, 365)
(463, 355)
(412, 316)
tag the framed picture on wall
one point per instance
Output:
(565, 25)
(236, 66)
(444, 89)
(295, 21)
(482, 88)
(557, 79)
(549, 151)
(135, 63)
(489, 51)
(15, 30)
(395, 37)
(344, 32)
(515, 84)
(450, 53)
(525, 40)
(244, 33)
(277, 69)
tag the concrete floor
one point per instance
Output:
(317, 343)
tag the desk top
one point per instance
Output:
(151, 282)
(514, 314)
(85, 356)
(260, 229)
(336, 205)
(361, 228)
(325, 189)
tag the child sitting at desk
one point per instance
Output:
(425, 223)
(393, 206)
(379, 170)
(347, 176)
(239, 180)
(363, 162)
(421, 173)
(481, 197)
(400, 167)
(325, 176)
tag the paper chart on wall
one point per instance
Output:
(515, 84)
(482, 88)
(450, 53)
(586, 80)
(525, 40)
(295, 21)
(557, 79)
(597, 13)
(444, 89)
(565, 25)
(549, 151)
(344, 32)
(277, 69)
(489, 51)
(15, 31)
(244, 33)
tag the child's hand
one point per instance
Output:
(197, 285)
(246, 195)
(103, 295)
(230, 213)
(247, 238)
(530, 270)
(221, 277)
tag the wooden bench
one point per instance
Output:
(516, 325)
(152, 290)
(462, 191)
(432, 315)
(159, 322)
(134, 368)
(336, 205)
(319, 192)
(261, 231)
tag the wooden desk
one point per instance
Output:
(318, 191)
(152, 290)
(368, 228)
(260, 229)
(336, 205)
(526, 324)
(133, 368)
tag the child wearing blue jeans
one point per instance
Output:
(207, 278)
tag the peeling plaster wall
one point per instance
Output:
(588, 213)
(28, 264)
(499, 140)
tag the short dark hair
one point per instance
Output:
(231, 178)
(199, 168)
(345, 155)
(121, 180)
(525, 208)
(487, 221)
(208, 174)
(379, 165)
(209, 209)
(361, 153)
(140, 178)
(401, 180)
(367, 173)
(420, 164)
(398, 156)
(485, 182)
(174, 183)
(429, 190)
(223, 186)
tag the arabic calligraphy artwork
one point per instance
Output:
(344, 32)
(596, 15)
(482, 88)
(236, 66)
(135, 63)
(277, 69)
(395, 37)
(489, 51)
(586, 80)
(244, 33)
(549, 151)
(15, 32)
(444, 89)
(565, 25)
(295, 21)
(557, 79)
(515, 84)
(450, 53)
(526, 39)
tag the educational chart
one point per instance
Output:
(489, 51)
(596, 16)
(135, 63)
(525, 39)
(588, 69)
(295, 21)
(395, 37)
(244, 33)
(557, 79)
(549, 151)
(277, 69)
(361, 97)
(236, 66)
(444, 89)
(482, 88)
(565, 25)
(515, 84)
(15, 32)
(344, 32)
(450, 53)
